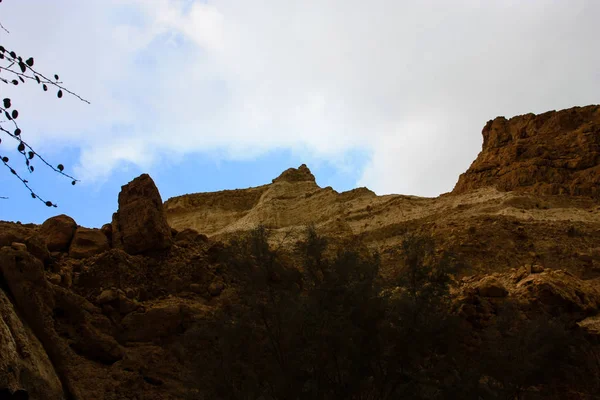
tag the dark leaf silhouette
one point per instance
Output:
(21, 69)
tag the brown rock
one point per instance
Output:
(58, 232)
(19, 246)
(189, 235)
(88, 242)
(216, 288)
(536, 269)
(491, 287)
(556, 152)
(37, 247)
(197, 288)
(300, 174)
(156, 322)
(107, 230)
(22, 353)
(140, 223)
(107, 296)
(54, 279)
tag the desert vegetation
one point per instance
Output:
(320, 323)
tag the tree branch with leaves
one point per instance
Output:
(16, 70)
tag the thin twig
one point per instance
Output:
(24, 182)
(5, 30)
(37, 154)
(47, 80)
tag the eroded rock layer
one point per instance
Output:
(557, 152)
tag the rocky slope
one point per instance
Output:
(105, 313)
(529, 197)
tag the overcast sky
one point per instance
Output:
(209, 95)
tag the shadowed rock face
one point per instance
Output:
(140, 223)
(557, 152)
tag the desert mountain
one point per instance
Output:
(530, 197)
(114, 313)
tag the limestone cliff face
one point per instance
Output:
(557, 152)
(515, 205)
(292, 200)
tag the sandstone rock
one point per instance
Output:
(559, 291)
(140, 223)
(190, 235)
(216, 288)
(19, 246)
(300, 174)
(107, 296)
(10, 233)
(557, 152)
(54, 279)
(22, 353)
(591, 325)
(536, 269)
(107, 230)
(491, 287)
(88, 242)
(37, 247)
(155, 323)
(58, 232)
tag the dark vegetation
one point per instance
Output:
(311, 326)
(16, 70)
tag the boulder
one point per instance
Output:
(88, 242)
(491, 287)
(58, 232)
(19, 246)
(140, 224)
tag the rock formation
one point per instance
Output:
(88, 242)
(58, 232)
(106, 313)
(140, 224)
(557, 152)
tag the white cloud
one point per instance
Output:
(411, 83)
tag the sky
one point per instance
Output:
(224, 94)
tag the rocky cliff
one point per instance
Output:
(108, 313)
(557, 152)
